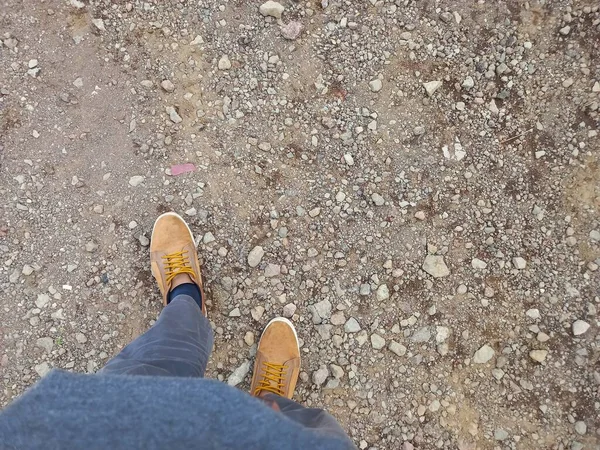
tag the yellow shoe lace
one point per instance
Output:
(272, 373)
(176, 264)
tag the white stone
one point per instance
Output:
(500, 434)
(432, 86)
(257, 312)
(538, 355)
(579, 327)
(99, 23)
(483, 355)
(477, 263)
(580, 427)
(167, 85)
(519, 263)
(533, 313)
(442, 333)
(468, 83)
(435, 266)
(272, 9)
(375, 85)
(565, 30)
(224, 63)
(136, 180)
(42, 300)
(173, 114)
(255, 256)
(377, 199)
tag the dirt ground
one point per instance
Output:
(423, 177)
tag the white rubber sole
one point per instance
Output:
(179, 217)
(284, 320)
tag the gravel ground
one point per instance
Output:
(415, 184)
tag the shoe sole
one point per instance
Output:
(180, 218)
(284, 320)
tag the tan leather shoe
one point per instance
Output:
(173, 256)
(277, 364)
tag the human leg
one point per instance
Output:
(276, 372)
(177, 345)
(180, 341)
(315, 418)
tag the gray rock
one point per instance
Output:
(580, 427)
(238, 375)
(167, 85)
(323, 309)
(45, 343)
(500, 434)
(383, 293)
(336, 371)
(255, 256)
(435, 266)
(319, 376)
(42, 300)
(377, 342)
(42, 369)
(468, 83)
(423, 334)
(292, 30)
(208, 238)
(352, 326)
(289, 310)
(397, 348)
(173, 114)
(272, 270)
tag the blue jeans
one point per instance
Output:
(179, 345)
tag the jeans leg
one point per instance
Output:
(315, 418)
(177, 345)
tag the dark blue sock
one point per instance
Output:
(190, 289)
